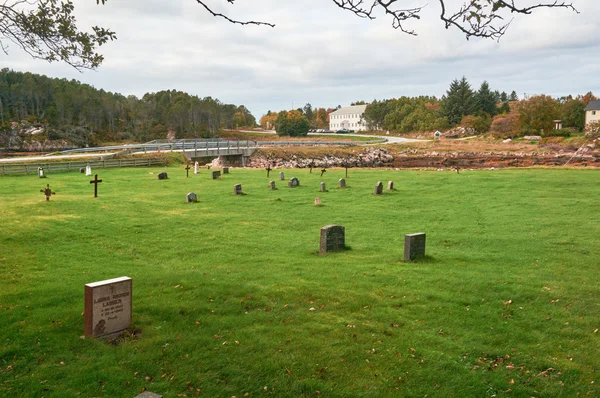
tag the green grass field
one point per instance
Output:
(505, 304)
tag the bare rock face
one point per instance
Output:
(371, 157)
(171, 135)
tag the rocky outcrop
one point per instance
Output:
(371, 157)
(415, 158)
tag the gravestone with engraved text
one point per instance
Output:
(332, 239)
(108, 306)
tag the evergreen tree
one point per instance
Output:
(308, 112)
(486, 99)
(503, 96)
(505, 108)
(514, 96)
(459, 101)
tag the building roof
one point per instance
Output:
(592, 106)
(360, 109)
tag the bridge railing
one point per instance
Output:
(218, 144)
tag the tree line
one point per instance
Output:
(84, 115)
(481, 111)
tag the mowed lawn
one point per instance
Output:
(231, 297)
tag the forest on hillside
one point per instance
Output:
(60, 109)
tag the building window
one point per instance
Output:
(594, 113)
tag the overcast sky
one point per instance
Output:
(322, 55)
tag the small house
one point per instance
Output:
(592, 112)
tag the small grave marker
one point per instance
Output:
(281, 176)
(272, 186)
(414, 246)
(148, 394)
(342, 183)
(41, 172)
(95, 181)
(187, 170)
(163, 176)
(294, 182)
(332, 239)
(196, 168)
(323, 171)
(390, 185)
(47, 192)
(378, 190)
(317, 201)
(268, 170)
(191, 198)
(88, 170)
(237, 189)
(108, 306)
(322, 187)
(225, 170)
(216, 174)
(82, 170)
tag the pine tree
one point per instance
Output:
(486, 99)
(514, 96)
(459, 101)
(503, 96)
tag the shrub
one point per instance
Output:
(557, 133)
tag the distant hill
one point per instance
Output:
(79, 114)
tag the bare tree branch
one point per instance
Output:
(216, 14)
(399, 15)
(477, 18)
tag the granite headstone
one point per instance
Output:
(332, 239)
(414, 246)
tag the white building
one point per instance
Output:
(592, 112)
(349, 118)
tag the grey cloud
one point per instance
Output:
(323, 55)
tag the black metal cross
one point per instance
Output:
(310, 167)
(95, 181)
(187, 170)
(47, 192)
(268, 170)
(323, 171)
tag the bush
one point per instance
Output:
(558, 133)
(293, 124)
(506, 126)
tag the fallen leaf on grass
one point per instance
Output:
(545, 372)
(311, 309)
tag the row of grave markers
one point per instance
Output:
(109, 303)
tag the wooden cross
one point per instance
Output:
(187, 170)
(47, 192)
(268, 170)
(323, 171)
(95, 181)
(310, 167)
